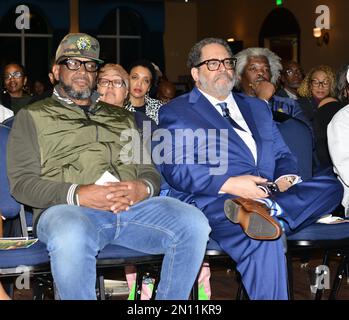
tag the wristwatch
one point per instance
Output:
(290, 179)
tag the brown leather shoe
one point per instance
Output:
(253, 217)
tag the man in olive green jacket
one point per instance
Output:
(59, 147)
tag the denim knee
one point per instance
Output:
(193, 223)
(64, 226)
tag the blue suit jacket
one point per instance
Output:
(193, 181)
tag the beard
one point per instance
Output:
(76, 94)
(216, 87)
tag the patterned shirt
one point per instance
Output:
(152, 107)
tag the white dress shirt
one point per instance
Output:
(337, 133)
(236, 115)
(5, 113)
(246, 135)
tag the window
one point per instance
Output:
(120, 37)
(280, 33)
(30, 47)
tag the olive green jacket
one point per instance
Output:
(55, 143)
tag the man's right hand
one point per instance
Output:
(264, 90)
(245, 187)
(95, 196)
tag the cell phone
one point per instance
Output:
(269, 187)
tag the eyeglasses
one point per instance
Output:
(116, 83)
(74, 64)
(317, 83)
(16, 75)
(214, 64)
(291, 72)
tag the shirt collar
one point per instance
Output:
(214, 101)
(95, 97)
(290, 94)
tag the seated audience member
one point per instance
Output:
(258, 71)
(327, 108)
(290, 79)
(342, 87)
(59, 147)
(38, 87)
(112, 85)
(5, 113)
(15, 80)
(317, 91)
(318, 84)
(142, 77)
(166, 91)
(252, 152)
(48, 88)
(337, 133)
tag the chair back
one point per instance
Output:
(298, 138)
(9, 207)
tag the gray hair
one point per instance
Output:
(244, 55)
(342, 84)
(194, 57)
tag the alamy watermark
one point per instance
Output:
(323, 20)
(178, 146)
(23, 20)
(322, 280)
(23, 279)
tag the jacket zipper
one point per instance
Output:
(89, 119)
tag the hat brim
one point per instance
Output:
(78, 56)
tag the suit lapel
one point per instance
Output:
(208, 113)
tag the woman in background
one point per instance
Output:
(142, 77)
(113, 84)
(15, 81)
(317, 88)
(319, 104)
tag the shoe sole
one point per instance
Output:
(258, 227)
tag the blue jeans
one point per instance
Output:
(160, 225)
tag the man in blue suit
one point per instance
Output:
(217, 154)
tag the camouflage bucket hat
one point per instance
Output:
(79, 45)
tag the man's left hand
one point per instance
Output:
(136, 191)
(284, 184)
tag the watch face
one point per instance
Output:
(290, 179)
